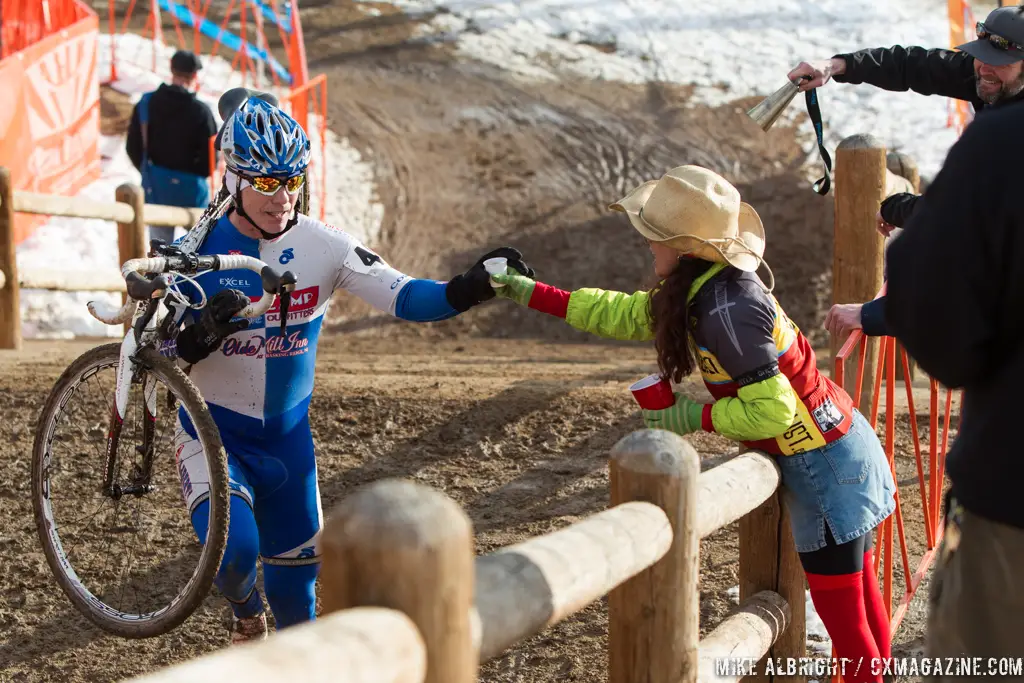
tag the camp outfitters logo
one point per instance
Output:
(303, 305)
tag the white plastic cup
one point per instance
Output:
(496, 266)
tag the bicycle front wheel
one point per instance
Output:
(107, 494)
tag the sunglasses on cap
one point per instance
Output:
(996, 41)
(269, 185)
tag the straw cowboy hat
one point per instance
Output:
(699, 213)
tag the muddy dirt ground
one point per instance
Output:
(515, 431)
(505, 410)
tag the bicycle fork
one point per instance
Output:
(126, 376)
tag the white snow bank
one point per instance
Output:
(737, 49)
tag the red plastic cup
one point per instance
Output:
(653, 392)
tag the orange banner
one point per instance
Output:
(26, 22)
(961, 30)
(49, 124)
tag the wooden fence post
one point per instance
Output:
(402, 545)
(10, 294)
(654, 618)
(768, 561)
(857, 251)
(902, 165)
(131, 237)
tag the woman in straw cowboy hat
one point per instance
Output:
(711, 311)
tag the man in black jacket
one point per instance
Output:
(956, 301)
(169, 141)
(987, 72)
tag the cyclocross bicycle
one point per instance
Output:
(104, 462)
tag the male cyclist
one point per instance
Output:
(258, 380)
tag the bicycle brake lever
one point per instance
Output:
(284, 294)
(285, 299)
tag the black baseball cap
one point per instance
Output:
(185, 62)
(1000, 38)
(234, 98)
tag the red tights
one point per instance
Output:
(845, 593)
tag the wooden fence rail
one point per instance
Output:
(364, 645)
(399, 545)
(128, 210)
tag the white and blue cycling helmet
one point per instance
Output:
(262, 140)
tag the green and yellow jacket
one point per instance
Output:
(754, 360)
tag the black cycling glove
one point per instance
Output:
(198, 341)
(474, 286)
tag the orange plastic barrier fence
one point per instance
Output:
(49, 126)
(961, 30)
(26, 22)
(929, 479)
(251, 48)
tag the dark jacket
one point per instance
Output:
(179, 133)
(956, 302)
(946, 73)
(896, 208)
(927, 72)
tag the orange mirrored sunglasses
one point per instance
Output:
(268, 185)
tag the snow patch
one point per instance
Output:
(743, 50)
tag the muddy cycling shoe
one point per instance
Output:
(248, 629)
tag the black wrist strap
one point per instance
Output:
(824, 183)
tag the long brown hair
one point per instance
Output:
(670, 315)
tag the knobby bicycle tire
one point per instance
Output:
(216, 539)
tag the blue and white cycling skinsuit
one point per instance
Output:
(258, 385)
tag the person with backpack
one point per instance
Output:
(169, 142)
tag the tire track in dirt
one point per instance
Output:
(468, 158)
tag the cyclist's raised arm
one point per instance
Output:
(362, 272)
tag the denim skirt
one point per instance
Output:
(846, 484)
